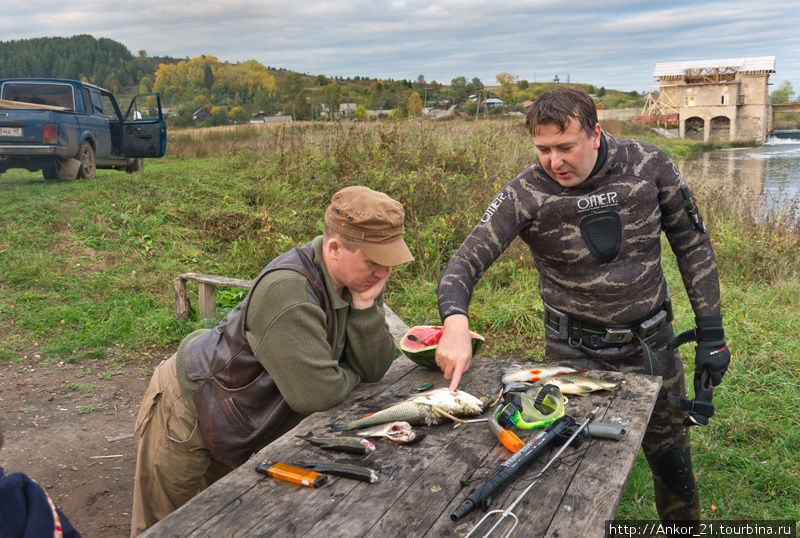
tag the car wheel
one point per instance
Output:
(86, 157)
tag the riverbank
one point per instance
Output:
(87, 270)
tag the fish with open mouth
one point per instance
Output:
(425, 408)
(521, 374)
(352, 445)
(399, 432)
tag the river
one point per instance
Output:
(769, 172)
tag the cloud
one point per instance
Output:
(616, 45)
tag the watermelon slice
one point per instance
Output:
(419, 344)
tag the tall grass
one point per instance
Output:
(87, 267)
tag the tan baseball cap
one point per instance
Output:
(371, 219)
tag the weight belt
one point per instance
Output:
(582, 333)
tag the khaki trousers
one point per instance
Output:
(174, 463)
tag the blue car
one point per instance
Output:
(68, 128)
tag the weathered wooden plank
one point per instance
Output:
(182, 305)
(548, 510)
(216, 280)
(430, 473)
(596, 489)
(207, 300)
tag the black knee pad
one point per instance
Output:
(675, 469)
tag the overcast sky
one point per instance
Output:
(613, 44)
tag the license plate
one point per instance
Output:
(10, 131)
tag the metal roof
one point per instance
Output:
(676, 69)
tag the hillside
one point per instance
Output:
(234, 91)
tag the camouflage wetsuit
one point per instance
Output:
(598, 252)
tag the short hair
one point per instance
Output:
(558, 106)
(348, 244)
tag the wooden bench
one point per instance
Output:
(207, 291)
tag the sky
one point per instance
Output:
(612, 44)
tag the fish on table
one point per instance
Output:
(346, 470)
(578, 384)
(399, 432)
(352, 445)
(520, 374)
(427, 408)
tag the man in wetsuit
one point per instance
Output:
(592, 209)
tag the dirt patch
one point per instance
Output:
(70, 427)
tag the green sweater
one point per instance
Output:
(287, 331)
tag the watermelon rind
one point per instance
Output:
(426, 356)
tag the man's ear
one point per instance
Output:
(596, 136)
(333, 246)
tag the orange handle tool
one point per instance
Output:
(290, 473)
(510, 440)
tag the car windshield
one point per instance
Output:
(39, 93)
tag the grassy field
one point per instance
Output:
(86, 268)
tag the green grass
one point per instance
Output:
(87, 269)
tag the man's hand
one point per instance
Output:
(454, 352)
(712, 356)
(365, 299)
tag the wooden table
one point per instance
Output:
(420, 484)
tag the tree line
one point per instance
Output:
(103, 61)
(235, 91)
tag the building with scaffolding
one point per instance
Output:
(726, 99)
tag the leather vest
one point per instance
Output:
(238, 403)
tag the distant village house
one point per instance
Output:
(263, 117)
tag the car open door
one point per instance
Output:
(144, 129)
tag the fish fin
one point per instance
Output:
(306, 436)
(337, 427)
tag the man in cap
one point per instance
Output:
(310, 329)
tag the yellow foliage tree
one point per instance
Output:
(414, 104)
(234, 83)
(361, 112)
(507, 83)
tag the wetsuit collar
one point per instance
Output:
(602, 153)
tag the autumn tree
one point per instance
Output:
(506, 81)
(232, 84)
(330, 97)
(474, 85)
(459, 87)
(237, 114)
(415, 105)
(783, 93)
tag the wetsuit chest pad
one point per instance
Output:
(602, 233)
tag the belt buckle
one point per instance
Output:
(563, 321)
(618, 336)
